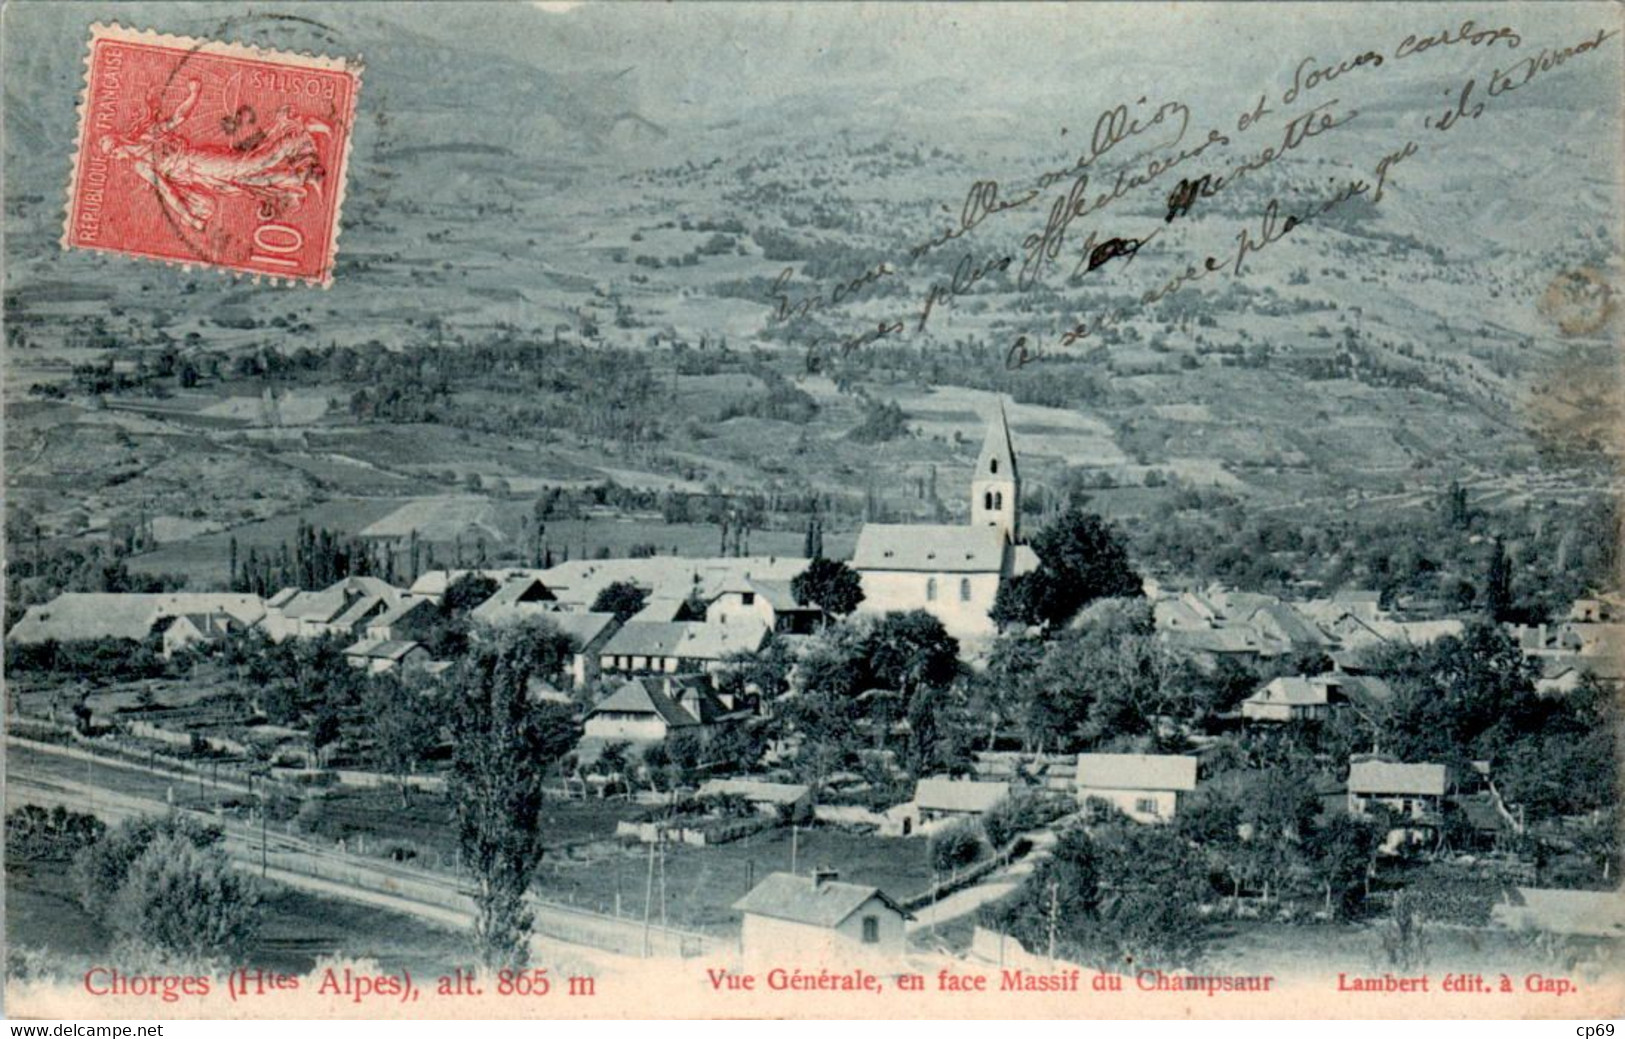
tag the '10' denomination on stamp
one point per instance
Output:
(211, 153)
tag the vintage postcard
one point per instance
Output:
(795, 510)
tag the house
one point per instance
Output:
(1300, 698)
(1363, 603)
(819, 920)
(528, 598)
(189, 629)
(380, 655)
(1563, 673)
(1148, 788)
(1577, 914)
(940, 797)
(432, 584)
(774, 799)
(85, 616)
(760, 601)
(515, 600)
(588, 632)
(342, 608)
(952, 572)
(1595, 611)
(409, 619)
(647, 710)
(1289, 698)
(577, 583)
(1281, 622)
(677, 647)
(1412, 793)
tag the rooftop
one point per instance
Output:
(941, 794)
(1388, 777)
(804, 900)
(930, 547)
(1137, 771)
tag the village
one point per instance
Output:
(965, 740)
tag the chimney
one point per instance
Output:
(824, 875)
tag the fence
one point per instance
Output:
(251, 846)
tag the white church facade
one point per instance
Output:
(952, 572)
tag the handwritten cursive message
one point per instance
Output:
(1159, 151)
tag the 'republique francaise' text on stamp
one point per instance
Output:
(212, 154)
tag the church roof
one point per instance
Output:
(996, 447)
(929, 547)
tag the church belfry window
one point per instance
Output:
(987, 501)
(998, 500)
(993, 465)
(930, 589)
(964, 589)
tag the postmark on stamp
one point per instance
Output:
(213, 154)
(1579, 301)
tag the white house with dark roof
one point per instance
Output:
(820, 920)
(952, 572)
(1148, 788)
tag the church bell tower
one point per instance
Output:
(995, 486)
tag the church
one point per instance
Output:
(953, 572)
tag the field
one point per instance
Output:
(43, 913)
(205, 559)
(701, 884)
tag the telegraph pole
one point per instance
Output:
(1054, 892)
(662, 841)
(648, 901)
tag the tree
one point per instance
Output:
(1460, 698)
(100, 869)
(622, 598)
(1456, 515)
(465, 593)
(503, 746)
(909, 651)
(185, 905)
(1403, 937)
(1081, 559)
(1120, 894)
(830, 585)
(1498, 584)
(405, 725)
(955, 845)
(763, 672)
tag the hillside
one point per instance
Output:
(519, 179)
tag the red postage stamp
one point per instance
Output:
(212, 154)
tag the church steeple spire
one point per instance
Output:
(996, 485)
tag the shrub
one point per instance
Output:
(184, 904)
(101, 868)
(1018, 814)
(955, 845)
(50, 835)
